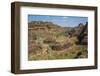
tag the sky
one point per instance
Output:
(64, 21)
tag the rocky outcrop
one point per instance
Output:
(80, 32)
(83, 36)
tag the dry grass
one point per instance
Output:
(46, 53)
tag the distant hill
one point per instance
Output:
(42, 24)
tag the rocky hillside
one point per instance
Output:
(80, 32)
(47, 40)
(42, 25)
